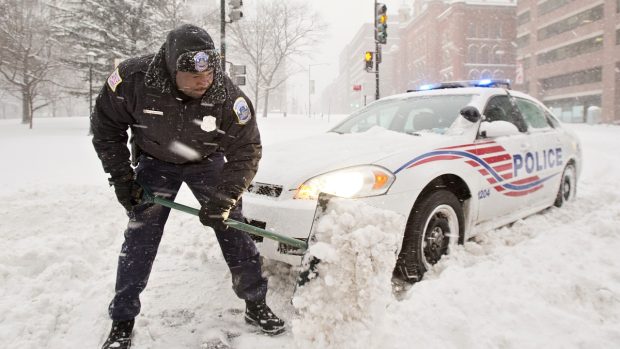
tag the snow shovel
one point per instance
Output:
(309, 263)
(149, 197)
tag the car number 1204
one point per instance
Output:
(484, 193)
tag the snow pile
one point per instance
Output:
(357, 247)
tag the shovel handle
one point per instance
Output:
(302, 245)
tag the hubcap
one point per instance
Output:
(441, 231)
(566, 189)
(567, 184)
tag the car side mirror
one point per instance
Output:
(498, 128)
(471, 114)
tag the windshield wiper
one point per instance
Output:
(413, 133)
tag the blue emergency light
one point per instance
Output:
(505, 83)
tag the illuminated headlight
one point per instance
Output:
(352, 182)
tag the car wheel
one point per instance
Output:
(568, 186)
(434, 226)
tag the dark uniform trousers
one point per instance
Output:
(146, 225)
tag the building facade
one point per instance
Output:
(569, 56)
(464, 40)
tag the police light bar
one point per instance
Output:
(465, 83)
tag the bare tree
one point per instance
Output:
(281, 31)
(26, 51)
(172, 13)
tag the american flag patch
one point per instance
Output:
(114, 80)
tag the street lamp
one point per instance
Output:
(90, 59)
(311, 86)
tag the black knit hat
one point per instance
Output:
(189, 48)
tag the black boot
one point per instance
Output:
(258, 314)
(120, 335)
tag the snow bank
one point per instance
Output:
(343, 305)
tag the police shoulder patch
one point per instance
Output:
(114, 80)
(242, 110)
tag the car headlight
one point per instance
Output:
(351, 182)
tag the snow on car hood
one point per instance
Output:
(291, 163)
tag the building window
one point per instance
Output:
(586, 17)
(572, 50)
(474, 74)
(551, 5)
(483, 30)
(523, 41)
(573, 109)
(498, 74)
(472, 54)
(523, 18)
(484, 55)
(497, 55)
(471, 30)
(486, 74)
(581, 77)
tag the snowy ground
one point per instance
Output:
(551, 280)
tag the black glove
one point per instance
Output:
(216, 211)
(128, 192)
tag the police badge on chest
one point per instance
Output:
(208, 123)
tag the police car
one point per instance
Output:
(455, 158)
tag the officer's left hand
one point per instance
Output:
(216, 211)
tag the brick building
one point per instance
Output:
(450, 40)
(569, 53)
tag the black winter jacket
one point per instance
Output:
(166, 124)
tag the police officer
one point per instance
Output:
(191, 125)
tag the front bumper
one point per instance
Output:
(294, 218)
(288, 217)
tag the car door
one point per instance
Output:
(504, 183)
(545, 161)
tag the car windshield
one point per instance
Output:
(411, 115)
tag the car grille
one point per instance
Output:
(271, 190)
(257, 224)
(287, 249)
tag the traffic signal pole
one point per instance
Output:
(377, 53)
(380, 39)
(223, 34)
(377, 94)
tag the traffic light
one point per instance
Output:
(235, 13)
(368, 59)
(381, 23)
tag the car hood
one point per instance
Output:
(289, 164)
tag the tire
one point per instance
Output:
(568, 186)
(435, 224)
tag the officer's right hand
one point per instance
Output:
(216, 211)
(128, 192)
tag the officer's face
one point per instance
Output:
(194, 84)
